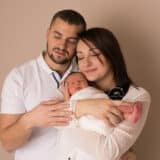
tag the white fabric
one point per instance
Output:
(24, 88)
(29, 84)
(89, 122)
(109, 147)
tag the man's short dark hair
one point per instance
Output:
(71, 17)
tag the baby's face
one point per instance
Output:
(75, 82)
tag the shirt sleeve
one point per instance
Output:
(126, 133)
(12, 94)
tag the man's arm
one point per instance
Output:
(15, 130)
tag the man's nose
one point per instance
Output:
(62, 44)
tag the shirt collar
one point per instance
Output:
(42, 63)
(73, 67)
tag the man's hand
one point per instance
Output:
(49, 113)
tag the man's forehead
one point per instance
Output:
(63, 27)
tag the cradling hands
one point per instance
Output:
(50, 113)
(131, 110)
(107, 111)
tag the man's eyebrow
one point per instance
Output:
(56, 32)
(60, 34)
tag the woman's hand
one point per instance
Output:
(104, 109)
(108, 112)
(132, 113)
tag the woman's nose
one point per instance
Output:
(87, 62)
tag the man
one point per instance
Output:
(27, 119)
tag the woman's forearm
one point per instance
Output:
(126, 133)
(100, 108)
(82, 107)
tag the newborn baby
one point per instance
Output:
(77, 87)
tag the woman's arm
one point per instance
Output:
(126, 133)
(102, 108)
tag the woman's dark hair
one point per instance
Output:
(71, 17)
(106, 42)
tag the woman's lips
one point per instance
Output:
(90, 70)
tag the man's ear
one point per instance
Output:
(47, 33)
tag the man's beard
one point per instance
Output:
(56, 59)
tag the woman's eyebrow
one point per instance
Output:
(79, 52)
(93, 49)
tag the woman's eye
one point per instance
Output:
(95, 52)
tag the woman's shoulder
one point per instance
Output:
(137, 93)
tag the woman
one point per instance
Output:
(100, 60)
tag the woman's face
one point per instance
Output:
(92, 62)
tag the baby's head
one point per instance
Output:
(75, 81)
